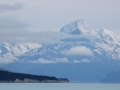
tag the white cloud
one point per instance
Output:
(7, 7)
(0, 51)
(11, 34)
(79, 50)
(8, 58)
(55, 60)
(85, 60)
(119, 55)
(45, 61)
(76, 61)
(10, 23)
(62, 59)
(81, 61)
(41, 60)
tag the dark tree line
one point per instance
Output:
(10, 76)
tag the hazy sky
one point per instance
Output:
(19, 17)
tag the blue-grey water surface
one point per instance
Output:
(58, 86)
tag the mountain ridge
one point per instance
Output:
(87, 51)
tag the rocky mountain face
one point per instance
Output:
(84, 56)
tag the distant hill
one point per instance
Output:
(6, 76)
(112, 77)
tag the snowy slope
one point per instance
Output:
(21, 48)
(10, 52)
(108, 43)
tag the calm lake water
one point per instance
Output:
(58, 86)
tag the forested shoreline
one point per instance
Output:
(6, 76)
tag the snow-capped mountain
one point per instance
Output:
(76, 28)
(105, 41)
(86, 55)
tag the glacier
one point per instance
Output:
(85, 55)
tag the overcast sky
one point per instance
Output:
(21, 17)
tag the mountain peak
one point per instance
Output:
(81, 21)
(76, 28)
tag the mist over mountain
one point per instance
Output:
(82, 55)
